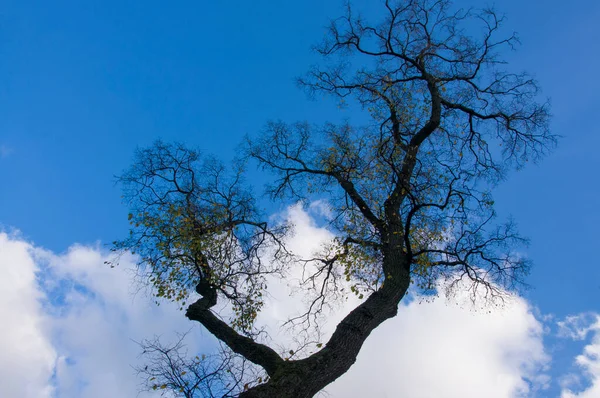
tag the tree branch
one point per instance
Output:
(257, 353)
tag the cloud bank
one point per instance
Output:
(72, 322)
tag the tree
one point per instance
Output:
(409, 192)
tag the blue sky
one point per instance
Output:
(84, 83)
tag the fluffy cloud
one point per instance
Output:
(432, 348)
(74, 321)
(437, 349)
(27, 359)
(578, 327)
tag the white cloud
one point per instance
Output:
(85, 341)
(578, 327)
(85, 346)
(433, 348)
(26, 356)
(96, 332)
(321, 208)
(281, 305)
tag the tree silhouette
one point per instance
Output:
(409, 194)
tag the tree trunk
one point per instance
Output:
(306, 377)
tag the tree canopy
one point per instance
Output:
(409, 193)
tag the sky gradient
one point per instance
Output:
(85, 83)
